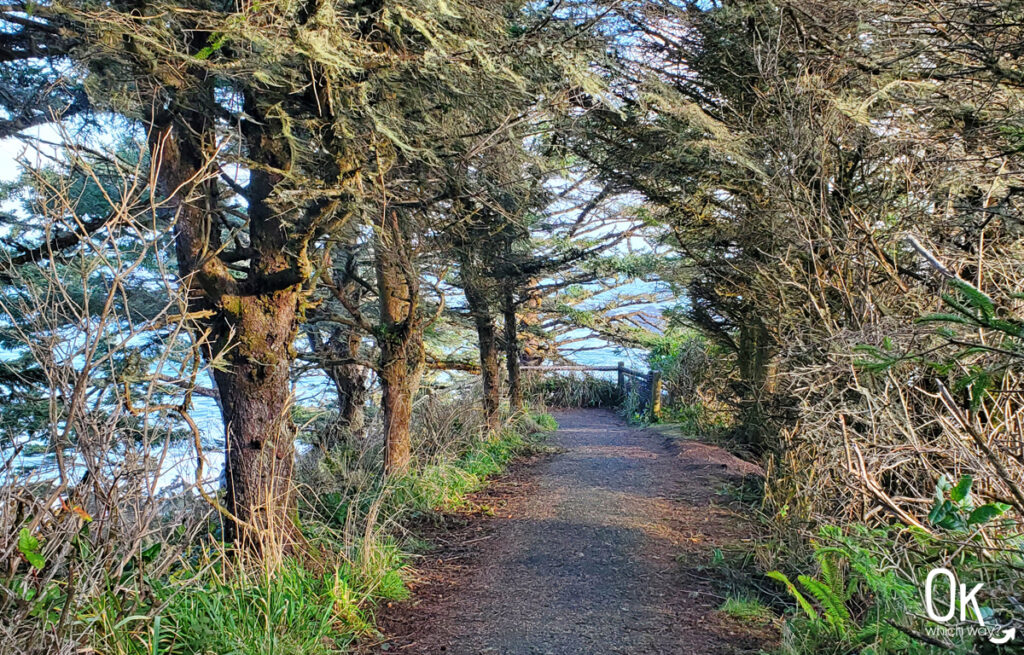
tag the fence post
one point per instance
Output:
(655, 380)
(622, 377)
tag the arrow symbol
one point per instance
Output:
(1008, 635)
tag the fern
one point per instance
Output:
(977, 298)
(960, 307)
(804, 605)
(831, 575)
(944, 318)
(833, 605)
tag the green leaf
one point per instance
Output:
(26, 542)
(28, 546)
(155, 643)
(958, 493)
(149, 554)
(36, 560)
(986, 513)
(804, 605)
(939, 512)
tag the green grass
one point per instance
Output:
(446, 485)
(745, 608)
(545, 421)
(292, 612)
(201, 608)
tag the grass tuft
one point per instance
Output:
(746, 608)
(290, 612)
(546, 422)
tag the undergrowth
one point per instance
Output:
(446, 484)
(183, 594)
(572, 391)
(863, 589)
(746, 608)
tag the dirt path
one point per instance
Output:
(583, 555)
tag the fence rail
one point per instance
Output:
(650, 382)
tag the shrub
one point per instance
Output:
(686, 361)
(866, 596)
(557, 390)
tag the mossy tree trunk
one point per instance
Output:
(508, 311)
(400, 337)
(247, 326)
(483, 320)
(255, 393)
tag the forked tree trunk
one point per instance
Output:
(508, 311)
(480, 308)
(400, 340)
(247, 327)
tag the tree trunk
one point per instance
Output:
(255, 393)
(400, 340)
(350, 382)
(479, 306)
(534, 349)
(250, 324)
(349, 378)
(508, 310)
(753, 359)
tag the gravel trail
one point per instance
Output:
(587, 554)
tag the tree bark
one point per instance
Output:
(400, 339)
(753, 361)
(350, 383)
(508, 310)
(534, 350)
(256, 396)
(349, 378)
(479, 307)
(251, 324)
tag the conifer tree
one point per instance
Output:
(271, 127)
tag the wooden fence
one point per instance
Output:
(646, 385)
